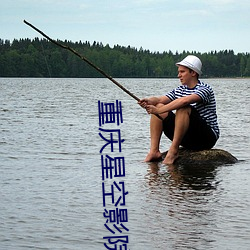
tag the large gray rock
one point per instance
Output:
(205, 157)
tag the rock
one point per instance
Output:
(213, 157)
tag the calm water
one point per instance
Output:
(50, 170)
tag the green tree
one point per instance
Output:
(247, 69)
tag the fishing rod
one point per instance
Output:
(86, 60)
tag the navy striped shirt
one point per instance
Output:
(206, 108)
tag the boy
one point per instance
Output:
(194, 125)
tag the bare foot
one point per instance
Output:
(170, 157)
(153, 156)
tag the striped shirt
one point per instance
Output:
(206, 108)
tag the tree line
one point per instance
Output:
(40, 58)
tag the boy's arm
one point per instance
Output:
(176, 104)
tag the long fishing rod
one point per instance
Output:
(86, 60)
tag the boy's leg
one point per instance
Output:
(156, 128)
(181, 127)
(199, 135)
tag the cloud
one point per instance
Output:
(225, 5)
(221, 2)
(83, 6)
(148, 2)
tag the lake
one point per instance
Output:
(51, 175)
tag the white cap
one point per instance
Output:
(191, 62)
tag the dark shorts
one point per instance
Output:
(199, 135)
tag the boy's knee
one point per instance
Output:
(184, 110)
(159, 105)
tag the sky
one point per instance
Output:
(155, 25)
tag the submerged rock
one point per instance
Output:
(204, 157)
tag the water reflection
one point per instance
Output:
(183, 177)
(183, 197)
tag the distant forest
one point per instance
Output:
(41, 58)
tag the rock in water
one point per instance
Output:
(204, 157)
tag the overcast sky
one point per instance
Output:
(157, 25)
